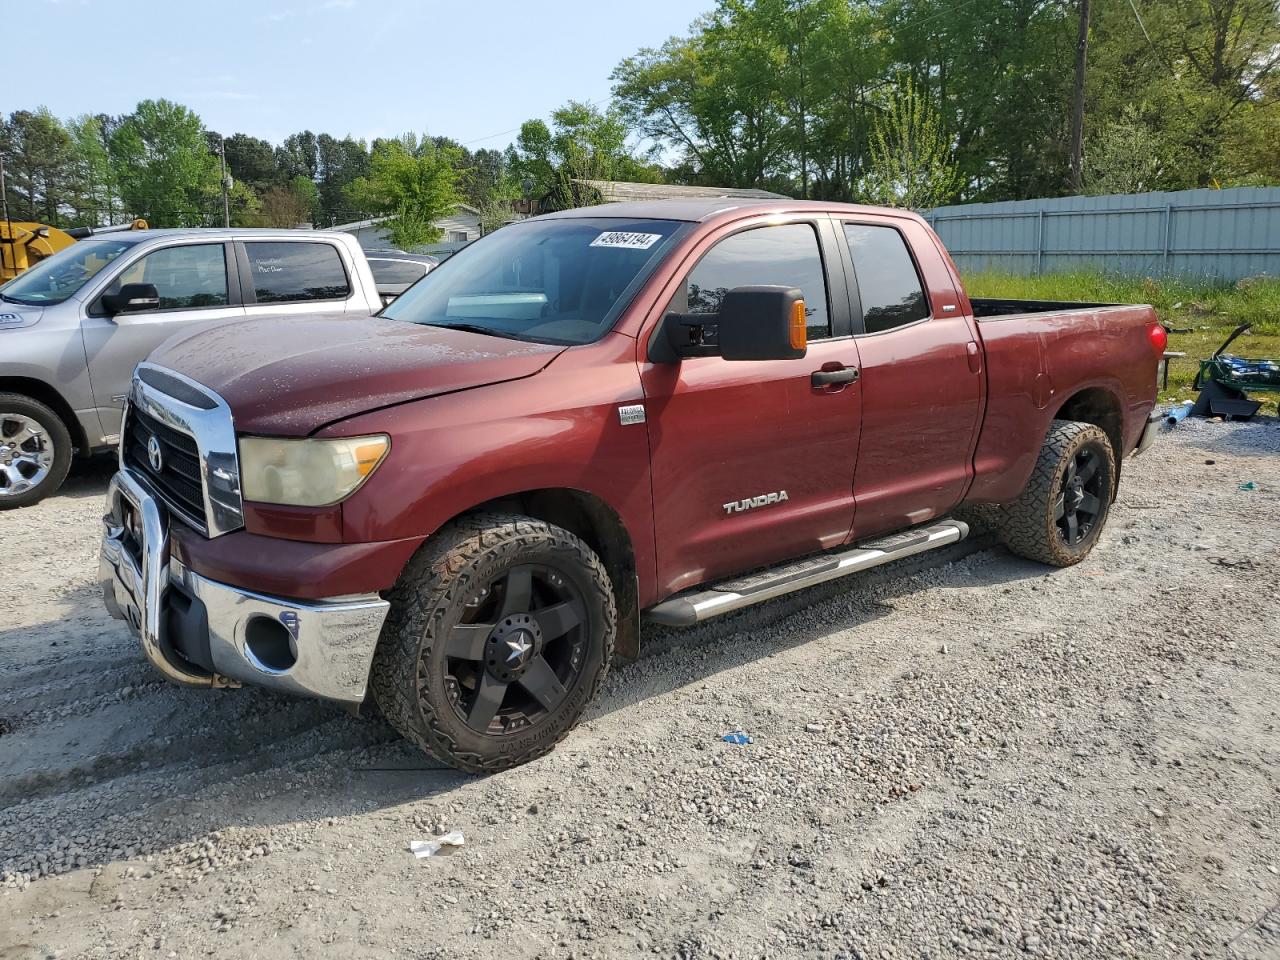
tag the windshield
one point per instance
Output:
(60, 276)
(553, 281)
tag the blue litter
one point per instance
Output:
(738, 737)
(1179, 412)
(1250, 485)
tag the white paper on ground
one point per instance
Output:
(427, 848)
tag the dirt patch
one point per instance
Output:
(977, 757)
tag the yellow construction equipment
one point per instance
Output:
(24, 244)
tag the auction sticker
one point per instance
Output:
(626, 241)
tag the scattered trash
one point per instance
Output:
(1179, 412)
(738, 737)
(1248, 485)
(429, 848)
(814, 728)
(1210, 463)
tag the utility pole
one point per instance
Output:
(226, 182)
(1077, 103)
(4, 194)
(6, 238)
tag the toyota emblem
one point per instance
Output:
(154, 456)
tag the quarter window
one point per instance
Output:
(186, 277)
(285, 272)
(785, 255)
(888, 284)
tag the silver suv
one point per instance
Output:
(73, 327)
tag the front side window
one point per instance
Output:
(58, 278)
(888, 284)
(185, 277)
(564, 280)
(786, 255)
(283, 271)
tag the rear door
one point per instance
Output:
(921, 376)
(751, 462)
(195, 286)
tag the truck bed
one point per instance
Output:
(986, 308)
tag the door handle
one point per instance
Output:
(830, 378)
(975, 357)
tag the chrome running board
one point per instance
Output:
(686, 609)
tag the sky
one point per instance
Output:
(473, 70)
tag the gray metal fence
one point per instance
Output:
(1227, 234)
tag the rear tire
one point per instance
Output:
(1058, 518)
(500, 631)
(35, 451)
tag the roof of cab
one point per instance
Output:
(702, 210)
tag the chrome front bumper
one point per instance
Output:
(322, 648)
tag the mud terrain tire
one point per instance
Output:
(448, 593)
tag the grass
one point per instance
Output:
(1199, 314)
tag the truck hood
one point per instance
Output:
(291, 376)
(15, 316)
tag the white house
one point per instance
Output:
(459, 228)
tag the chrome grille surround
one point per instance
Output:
(212, 430)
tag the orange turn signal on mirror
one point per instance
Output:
(799, 328)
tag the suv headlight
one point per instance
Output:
(307, 473)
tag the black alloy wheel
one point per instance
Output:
(1080, 495)
(518, 650)
(501, 629)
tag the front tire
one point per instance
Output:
(1058, 518)
(500, 631)
(35, 451)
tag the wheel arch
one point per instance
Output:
(599, 526)
(1100, 407)
(51, 398)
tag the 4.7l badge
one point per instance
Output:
(764, 500)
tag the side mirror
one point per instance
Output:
(132, 298)
(753, 323)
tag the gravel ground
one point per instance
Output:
(971, 755)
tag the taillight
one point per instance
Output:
(1159, 337)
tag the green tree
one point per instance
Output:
(93, 194)
(412, 182)
(339, 163)
(1125, 156)
(39, 165)
(582, 142)
(911, 160)
(252, 160)
(166, 171)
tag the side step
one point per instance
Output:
(687, 609)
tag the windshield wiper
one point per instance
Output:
(475, 328)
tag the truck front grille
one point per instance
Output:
(178, 479)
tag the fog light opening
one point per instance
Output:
(269, 645)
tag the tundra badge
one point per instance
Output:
(764, 500)
(631, 414)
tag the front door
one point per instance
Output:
(753, 462)
(192, 281)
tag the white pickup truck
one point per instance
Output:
(73, 327)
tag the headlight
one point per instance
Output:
(307, 473)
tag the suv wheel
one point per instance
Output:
(499, 634)
(35, 451)
(1059, 516)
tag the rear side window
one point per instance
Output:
(785, 255)
(186, 277)
(888, 284)
(397, 271)
(285, 272)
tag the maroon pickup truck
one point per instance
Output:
(466, 506)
